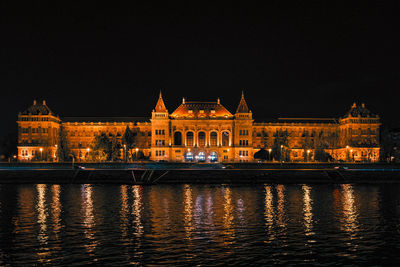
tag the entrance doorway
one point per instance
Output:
(201, 157)
(213, 157)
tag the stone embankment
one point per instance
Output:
(178, 173)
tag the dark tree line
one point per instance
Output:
(280, 150)
(105, 147)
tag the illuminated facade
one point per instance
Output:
(204, 132)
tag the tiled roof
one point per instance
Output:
(160, 106)
(198, 110)
(38, 109)
(242, 107)
(105, 119)
(307, 120)
(359, 111)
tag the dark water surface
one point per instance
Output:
(199, 224)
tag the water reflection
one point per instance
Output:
(269, 212)
(228, 229)
(42, 213)
(197, 225)
(349, 223)
(124, 211)
(280, 189)
(56, 212)
(88, 218)
(188, 210)
(136, 209)
(307, 209)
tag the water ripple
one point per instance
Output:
(73, 225)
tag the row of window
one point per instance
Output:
(244, 153)
(243, 132)
(25, 153)
(160, 153)
(84, 133)
(34, 130)
(160, 142)
(35, 119)
(243, 142)
(160, 132)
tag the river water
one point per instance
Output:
(175, 225)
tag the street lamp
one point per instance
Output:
(41, 153)
(125, 152)
(281, 153)
(136, 155)
(269, 154)
(308, 154)
(352, 155)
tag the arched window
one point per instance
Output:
(225, 138)
(189, 138)
(202, 138)
(213, 138)
(178, 138)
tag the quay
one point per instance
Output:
(213, 173)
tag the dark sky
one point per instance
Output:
(307, 59)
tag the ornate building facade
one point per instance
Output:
(204, 132)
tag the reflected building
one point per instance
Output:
(188, 210)
(201, 132)
(88, 218)
(137, 209)
(42, 213)
(307, 209)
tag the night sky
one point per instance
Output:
(303, 59)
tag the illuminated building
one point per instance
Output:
(203, 132)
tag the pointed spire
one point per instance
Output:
(160, 106)
(242, 108)
(183, 100)
(218, 101)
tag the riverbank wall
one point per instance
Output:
(162, 173)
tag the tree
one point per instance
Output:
(63, 149)
(115, 149)
(8, 146)
(261, 154)
(128, 140)
(321, 142)
(280, 147)
(306, 146)
(100, 148)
